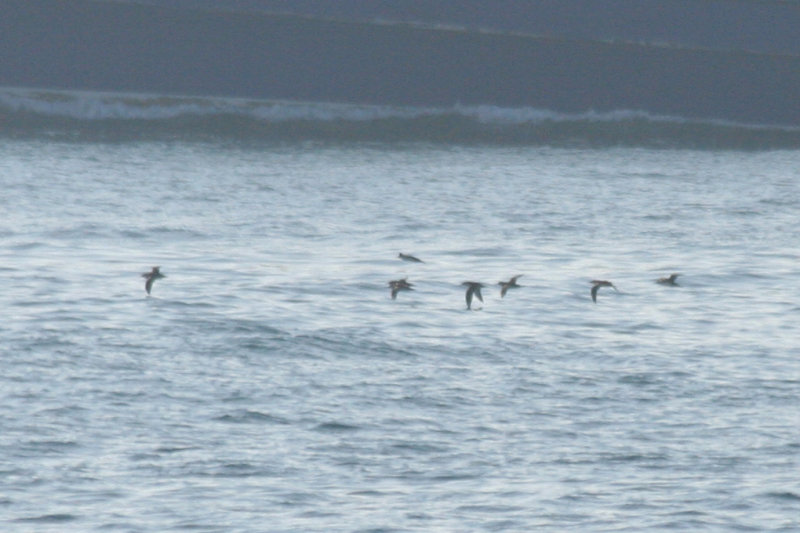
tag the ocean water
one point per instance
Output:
(270, 383)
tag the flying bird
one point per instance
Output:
(410, 258)
(398, 285)
(510, 284)
(473, 288)
(596, 284)
(151, 277)
(670, 280)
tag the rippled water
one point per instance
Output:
(270, 383)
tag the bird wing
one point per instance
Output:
(149, 284)
(594, 292)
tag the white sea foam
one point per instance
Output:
(453, 124)
(100, 106)
(122, 106)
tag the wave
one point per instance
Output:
(72, 115)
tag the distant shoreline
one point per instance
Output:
(133, 48)
(757, 25)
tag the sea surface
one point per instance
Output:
(270, 382)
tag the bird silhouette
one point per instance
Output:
(473, 289)
(151, 277)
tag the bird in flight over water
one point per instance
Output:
(596, 284)
(670, 280)
(510, 284)
(151, 277)
(473, 289)
(409, 258)
(398, 285)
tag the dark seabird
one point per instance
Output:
(398, 285)
(411, 258)
(668, 280)
(473, 287)
(596, 284)
(510, 284)
(151, 277)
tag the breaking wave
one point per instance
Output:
(121, 117)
